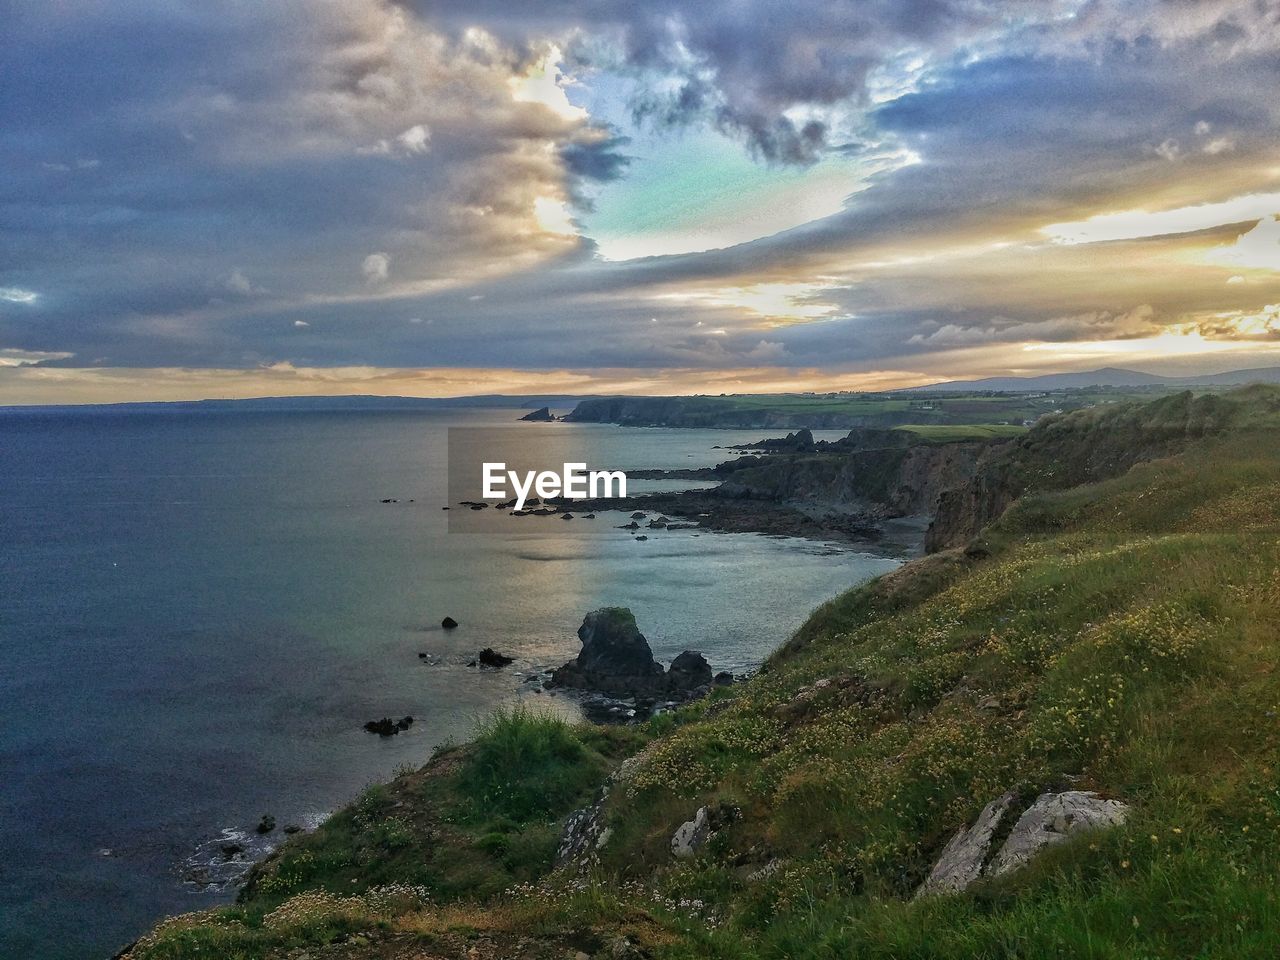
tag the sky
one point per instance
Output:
(226, 198)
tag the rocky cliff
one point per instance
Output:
(899, 478)
(1076, 448)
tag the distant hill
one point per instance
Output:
(1106, 377)
(362, 402)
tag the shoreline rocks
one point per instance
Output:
(617, 660)
(386, 727)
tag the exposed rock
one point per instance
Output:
(1051, 819)
(723, 679)
(266, 824)
(386, 727)
(292, 828)
(638, 515)
(583, 835)
(689, 671)
(541, 415)
(488, 657)
(232, 850)
(615, 656)
(692, 835)
(965, 854)
(448, 623)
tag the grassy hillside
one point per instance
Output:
(1122, 637)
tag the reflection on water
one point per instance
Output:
(201, 611)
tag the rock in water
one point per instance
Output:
(615, 657)
(688, 672)
(541, 415)
(266, 824)
(1050, 820)
(448, 623)
(489, 657)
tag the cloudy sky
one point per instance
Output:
(437, 197)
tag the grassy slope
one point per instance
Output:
(1123, 636)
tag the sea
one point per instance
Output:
(200, 608)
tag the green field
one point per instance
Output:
(944, 433)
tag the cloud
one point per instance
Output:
(414, 141)
(11, 357)
(993, 180)
(1258, 249)
(376, 267)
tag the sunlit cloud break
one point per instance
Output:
(871, 194)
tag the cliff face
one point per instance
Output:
(875, 482)
(1081, 447)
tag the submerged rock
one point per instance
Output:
(386, 727)
(488, 657)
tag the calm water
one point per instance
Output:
(199, 610)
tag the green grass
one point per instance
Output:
(1128, 634)
(946, 433)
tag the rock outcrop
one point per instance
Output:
(964, 856)
(1052, 818)
(1060, 452)
(616, 659)
(692, 835)
(541, 415)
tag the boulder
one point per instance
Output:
(615, 656)
(965, 854)
(1051, 819)
(689, 671)
(488, 657)
(266, 824)
(692, 835)
(448, 623)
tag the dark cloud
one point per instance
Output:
(186, 183)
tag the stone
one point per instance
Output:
(448, 623)
(266, 824)
(488, 657)
(689, 671)
(692, 835)
(1050, 820)
(965, 854)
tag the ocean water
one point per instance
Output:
(199, 610)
